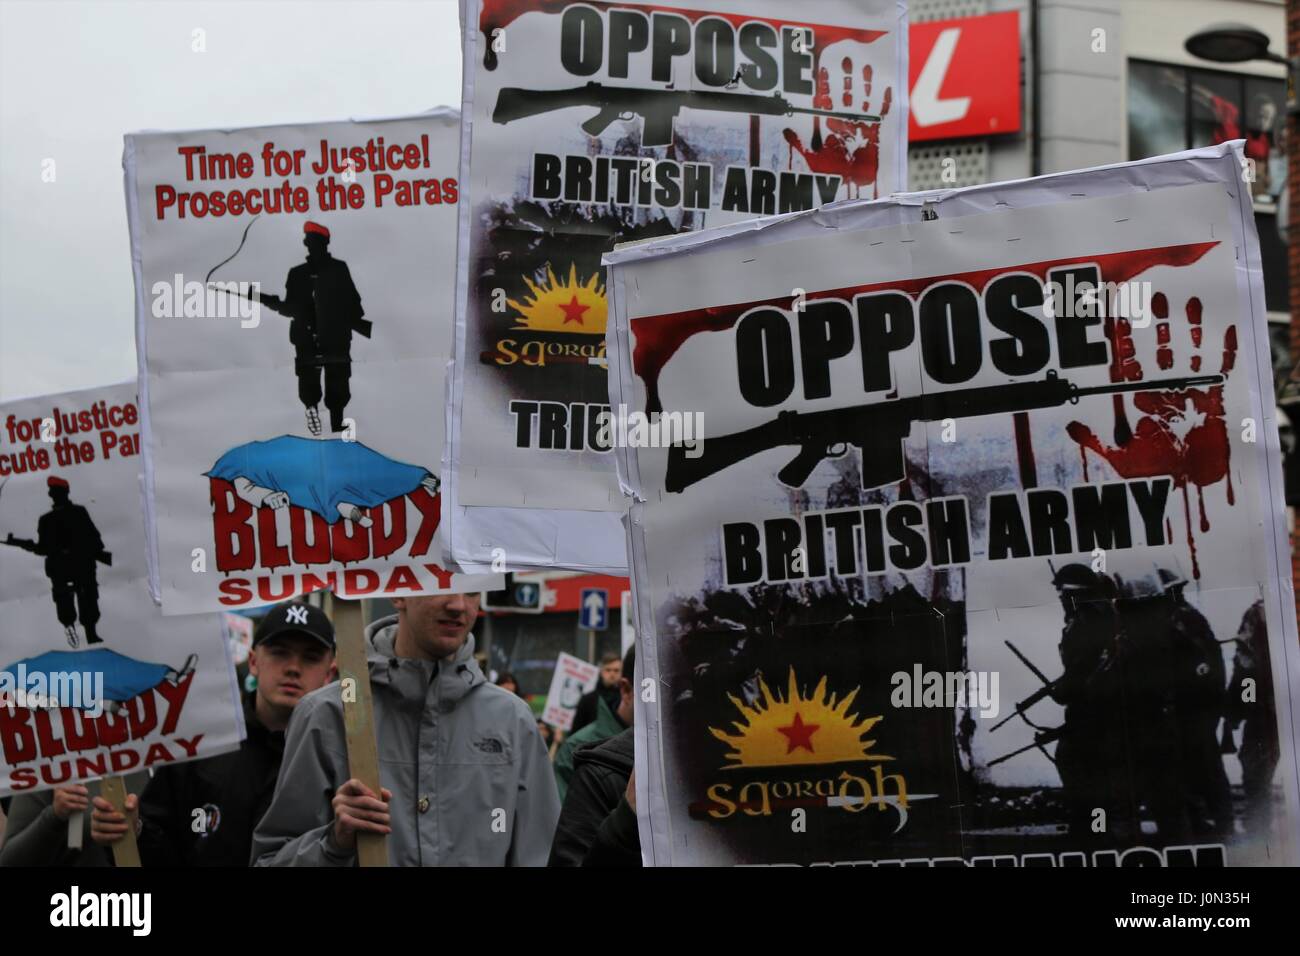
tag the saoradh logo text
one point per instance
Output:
(816, 729)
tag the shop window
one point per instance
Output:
(1174, 107)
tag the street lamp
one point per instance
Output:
(1231, 43)
(1238, 43)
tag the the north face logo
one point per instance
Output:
(489, 745)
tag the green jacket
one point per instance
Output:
(605, 725)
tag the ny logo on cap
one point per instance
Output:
(297, 615)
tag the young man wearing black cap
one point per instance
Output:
(465, 779)
(203, 813)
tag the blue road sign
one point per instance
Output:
(593, 611)
(527, 594)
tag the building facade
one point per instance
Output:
(1106, 81)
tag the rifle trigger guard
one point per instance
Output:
(837, 450)
(627, 116)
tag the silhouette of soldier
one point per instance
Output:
(1150, 666)
(325, 309)
(70, 544)
(1199, 701)
(1260, 747)
(1090, 754)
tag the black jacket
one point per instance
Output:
(597, 827)
(588, 706)
(232, 789)
(69, 540)
(325, 309)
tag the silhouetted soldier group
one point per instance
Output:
(1250, 702)
(1144, 689)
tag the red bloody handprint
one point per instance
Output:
(1182, 434)
(851, 150)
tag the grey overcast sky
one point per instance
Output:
(75, 76)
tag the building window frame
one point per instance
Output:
(1264, 204)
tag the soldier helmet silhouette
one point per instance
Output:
(1077, 577)
(1170, 581)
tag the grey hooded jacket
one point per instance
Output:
(449, 741)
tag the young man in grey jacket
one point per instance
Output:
(465, 776)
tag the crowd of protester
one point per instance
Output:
(469, 777)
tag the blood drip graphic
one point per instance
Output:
(1165, 354)
(1123, 368)
(658, 337)
(1195, 330)
(851, 150)
(1182, 434)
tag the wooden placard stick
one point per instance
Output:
(125, 850)
(358, 716)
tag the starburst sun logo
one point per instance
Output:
(569, 306)
(816, 729)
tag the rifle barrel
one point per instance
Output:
(1014, 753)
(1024, 705)
(1192, 381)
(226, 287)
(1028, 663)
(1041, 739)
(1011, 716)
(836, 114)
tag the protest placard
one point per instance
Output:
(94, 681)
(587, 124)
(293, 303)
(982, 554)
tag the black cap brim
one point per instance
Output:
(292, 629)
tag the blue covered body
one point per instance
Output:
(318, 474)
(124, 677)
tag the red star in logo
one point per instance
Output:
(573, 311)
(799, 734)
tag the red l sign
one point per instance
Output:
(964, 77)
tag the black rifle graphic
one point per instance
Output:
(361, 326)
(103, 557)
(1048, 687)
(658, 107)
(879, 429)
(1041, 739)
